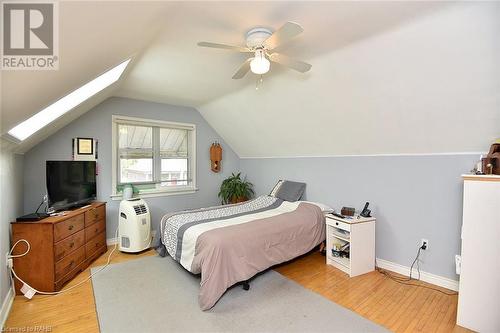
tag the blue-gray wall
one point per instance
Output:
(11, 202)
(412, 197)
(97, 124)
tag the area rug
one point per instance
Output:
(156, 294)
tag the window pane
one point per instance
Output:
(138, 137)
(174, 171)
(133, 170)
(173, 142)
(135, 150)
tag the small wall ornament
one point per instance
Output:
(215, 156)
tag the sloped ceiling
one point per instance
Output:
(93, 37)
(387, 77)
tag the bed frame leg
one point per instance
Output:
(246, 285)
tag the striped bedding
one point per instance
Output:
(231, 243)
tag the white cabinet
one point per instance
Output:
(479, 288)
(359, 234)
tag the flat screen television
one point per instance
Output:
(70, 183)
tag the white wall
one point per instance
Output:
(11, 202)
(431, 85)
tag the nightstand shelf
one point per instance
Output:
(345, 262)
(360, 234)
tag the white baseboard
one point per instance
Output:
(6, 305)
(111, 241)
(424, 276)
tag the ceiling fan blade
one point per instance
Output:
(224, 46)
(243, 70)
(288, 31)
(289, 62)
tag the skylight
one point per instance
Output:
(68, 102)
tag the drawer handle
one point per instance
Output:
(336, 223)
(72, 244)
(96, 229)
(71, 227)
(71, 263)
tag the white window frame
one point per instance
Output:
(159, 190)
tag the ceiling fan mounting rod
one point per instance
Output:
(256, 37)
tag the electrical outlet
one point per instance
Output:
(8, 260)
(424, 244)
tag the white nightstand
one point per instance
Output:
(360, 234)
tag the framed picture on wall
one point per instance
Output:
(85, 146)
(84, 149)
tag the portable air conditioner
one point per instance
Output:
(134, 226)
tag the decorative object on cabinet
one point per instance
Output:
(215, 156)
(491, 163)
(347, 211)
(84, 149)
(60, 246)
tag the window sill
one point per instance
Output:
(157, 193)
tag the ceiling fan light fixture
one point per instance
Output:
(260, 65)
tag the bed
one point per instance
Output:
(231, 243)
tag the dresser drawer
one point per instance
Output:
(68, 227)
(94, 229)
(68, 263)
(95, 244)
(68, 245)
(96, 255)
(71, 274)
(95, 214)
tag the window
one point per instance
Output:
(67, 103)
(156, 157)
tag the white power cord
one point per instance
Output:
(29, 291)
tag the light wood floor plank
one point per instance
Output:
(398, 307)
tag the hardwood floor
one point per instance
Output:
(73, 311)
(398, 307)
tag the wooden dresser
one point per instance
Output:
(61, 246)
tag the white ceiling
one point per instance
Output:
(375, 69)
(175, 70)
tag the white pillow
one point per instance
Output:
(324, 208)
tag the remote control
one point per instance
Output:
(338, 215)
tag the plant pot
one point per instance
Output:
(238, 199)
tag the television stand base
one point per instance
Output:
(32, 217)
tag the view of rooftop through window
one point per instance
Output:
(137, 155)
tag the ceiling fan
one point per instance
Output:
(262, 42)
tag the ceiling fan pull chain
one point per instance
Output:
(259, 82)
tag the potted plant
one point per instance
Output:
(234, 189)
